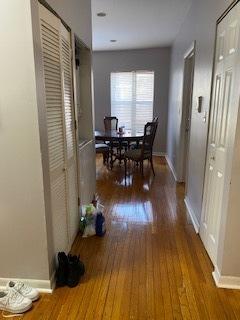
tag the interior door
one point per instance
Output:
(222, 127)
(57, 65)
(50, 27)
(70, 134)
(188, 88)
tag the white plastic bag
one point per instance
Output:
(89, 215)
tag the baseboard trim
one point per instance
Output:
(225, 282)
(192, 215)
(170, 165)
(45, 286)
(159, 154)
(53, 281)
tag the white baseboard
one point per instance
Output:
(171, 167)
(53, 281)
(159, 154)
(225, 282)
(192, 215)
(45, 286)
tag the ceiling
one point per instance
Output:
(137, 23)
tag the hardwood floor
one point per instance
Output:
(150, 264)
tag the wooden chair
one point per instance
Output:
(110, 123)
(133, 145)
(102, 148)
(145, 152)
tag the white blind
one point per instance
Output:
(132, 95)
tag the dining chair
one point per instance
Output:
(146, 150)
(110, 123)
(135, 145)
(102, 148)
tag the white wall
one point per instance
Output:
(22, 213)
(77, 14)
(200, 25)
(156, 59)
(25, 223)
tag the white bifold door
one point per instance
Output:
(60, 117)
(224, 112)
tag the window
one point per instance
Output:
(132, 98)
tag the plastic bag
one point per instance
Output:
(88, 220)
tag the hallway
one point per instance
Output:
(149, 265)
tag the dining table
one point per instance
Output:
(114, 137)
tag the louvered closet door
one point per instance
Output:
(51, 51)
(71, 163)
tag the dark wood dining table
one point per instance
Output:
(114, 137)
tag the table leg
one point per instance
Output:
(137, 144)
(120, 152)
(111, 155)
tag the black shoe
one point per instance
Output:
(75, 270)
(62, 271)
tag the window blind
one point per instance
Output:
(132, 95)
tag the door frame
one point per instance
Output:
(183, 166)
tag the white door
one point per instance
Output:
(57, 65)
(70, 133)
(50, 37)
(224, 108)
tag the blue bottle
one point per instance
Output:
(100, 225)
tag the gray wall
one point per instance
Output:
(157, 59)
(199, 25)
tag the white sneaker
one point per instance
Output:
(14, 302)
(23, 289)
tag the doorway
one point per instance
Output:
(85, 120)
(189, 61)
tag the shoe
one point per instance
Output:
(25, 290)
(62, 271)
(75, 270)
(12, 301)
(78, 263)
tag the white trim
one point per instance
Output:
(226, 282)
(53, 281)
(44, 286)
(190, 50)
(171, 167)
(159, 154)
(192, 215)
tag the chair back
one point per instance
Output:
(110, 123)
(150, 130)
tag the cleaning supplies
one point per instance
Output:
(100, 225)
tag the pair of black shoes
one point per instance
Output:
(69, 271)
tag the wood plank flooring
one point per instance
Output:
(150, 264)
